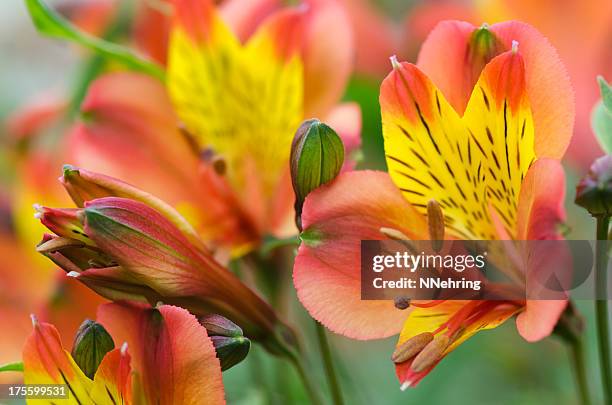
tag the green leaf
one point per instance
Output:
(606, 93)
(602, 126)
(18, 366)
(51, 24)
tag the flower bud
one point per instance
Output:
(217, 325)
(83, 185)
(91, 343)
(231, 350)
(317, 155)
(231, 346)
(482, 47)
(594, 192)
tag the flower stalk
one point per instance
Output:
(328, 362)
(601, 306)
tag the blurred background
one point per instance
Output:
(39, 77)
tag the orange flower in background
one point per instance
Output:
(491, 164)
(29, 283)
(215, 143)
(164, 356)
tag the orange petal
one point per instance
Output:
(244, 17)
(548, 86)
(133, 134)
(46, 362)
(371, 26)
(539, 318)
(113, 380)
(326, 273)
(328, 59)
(345, 119)
(485, 315)
(173, 356)
(196, 18)
(540, 211)
(541, 200)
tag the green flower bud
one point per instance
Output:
(231, 350)
(594, 192)
(91, 343)
(231, 346)
(317, 155)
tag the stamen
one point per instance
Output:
(402, 302)
(484, 26)
(411, 347)
(55, 244)
(430, 354)
(393, 234)
(124, 348)
(219, 165)
(435, 222)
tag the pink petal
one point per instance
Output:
(326, 273)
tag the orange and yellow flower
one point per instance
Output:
(215, 141)
(164, 356)
(491, 164)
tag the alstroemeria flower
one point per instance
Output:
(490, 170)
(129, 245)
(164, 356)
(215, 141)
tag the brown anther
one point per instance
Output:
(435, 221)
(430, 353)
(55, 244)
(402, 302)
(219, 165)
(411, 347)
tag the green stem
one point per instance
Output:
(601, 306)
(328, 362)
(577, 354)
(306, 380)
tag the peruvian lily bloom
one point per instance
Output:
(491, 167)
(163, 356)
(128, 245)
(215, 141)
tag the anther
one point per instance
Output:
(411, 347)
(435, 222)
(430, 353)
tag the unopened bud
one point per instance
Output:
(217, 325)
(483, 46)
(594, 192)
(430, 353)
(435, 221)
(411, 347)
(230, 344)
(231, 350)
(317, 155)
(91, 343)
